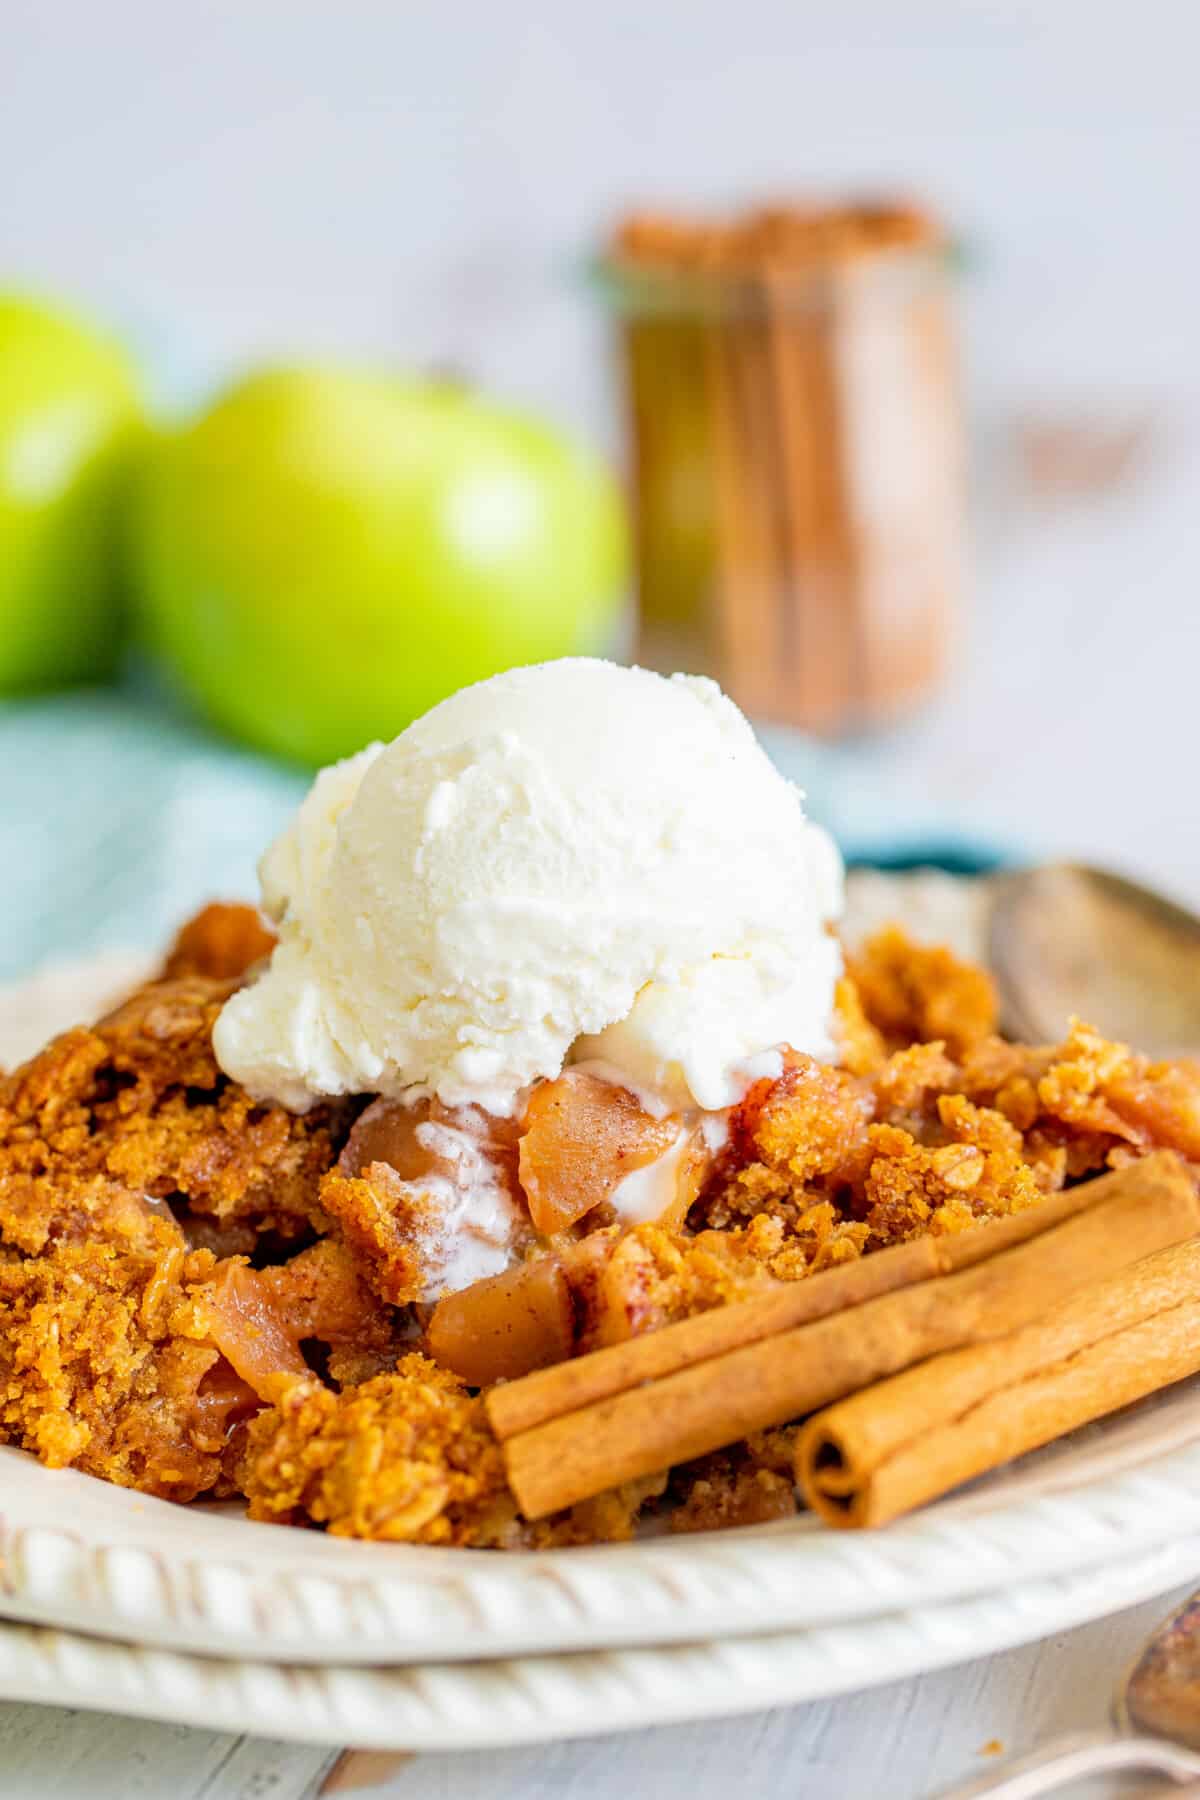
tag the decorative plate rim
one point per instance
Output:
(78, 1554)
(528, 1700)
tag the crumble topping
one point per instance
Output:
(201, 1294)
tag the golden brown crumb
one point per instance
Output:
(623, 1283)
(719, 1501)
(139, 1099)
(749, 1484)
(860, 1046)
(101, 1364)
(385, 1222)
(406, 1457)
(222, 942)
(977, 1172)
(913, 994)
(608, 1518)
(409, 1457)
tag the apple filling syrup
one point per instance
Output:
(452, 1176)
(480, 1193)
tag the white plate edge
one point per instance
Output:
(538, 1699)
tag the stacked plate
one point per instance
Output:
(119, 1602)
(195, 1614)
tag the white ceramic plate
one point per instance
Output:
(80, 1554)
(76, 1552)
(457, 1706)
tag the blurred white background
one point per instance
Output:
(420, 180)
(417, 178)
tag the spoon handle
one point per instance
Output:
(1068, 1759)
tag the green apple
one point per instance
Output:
(325, 553)
(69, 413)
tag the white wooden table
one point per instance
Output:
(902, 1742)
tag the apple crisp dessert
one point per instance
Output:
(203, 1294)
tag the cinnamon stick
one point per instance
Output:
(737, 558)
(567, 1386)
(673, 499)
(910, 1439)
(749, 561)
(724, 1397)
(548, 1393)
(818, 592)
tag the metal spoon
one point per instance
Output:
(1064, 938)
(1156, 1724)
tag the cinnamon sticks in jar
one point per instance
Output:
(573, 1431)
(794, 429)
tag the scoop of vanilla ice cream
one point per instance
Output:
(569, 859)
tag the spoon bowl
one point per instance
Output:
(1160, 1696)
(1067, 939)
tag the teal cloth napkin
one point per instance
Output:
(120, 817)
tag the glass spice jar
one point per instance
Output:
(796, 447)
